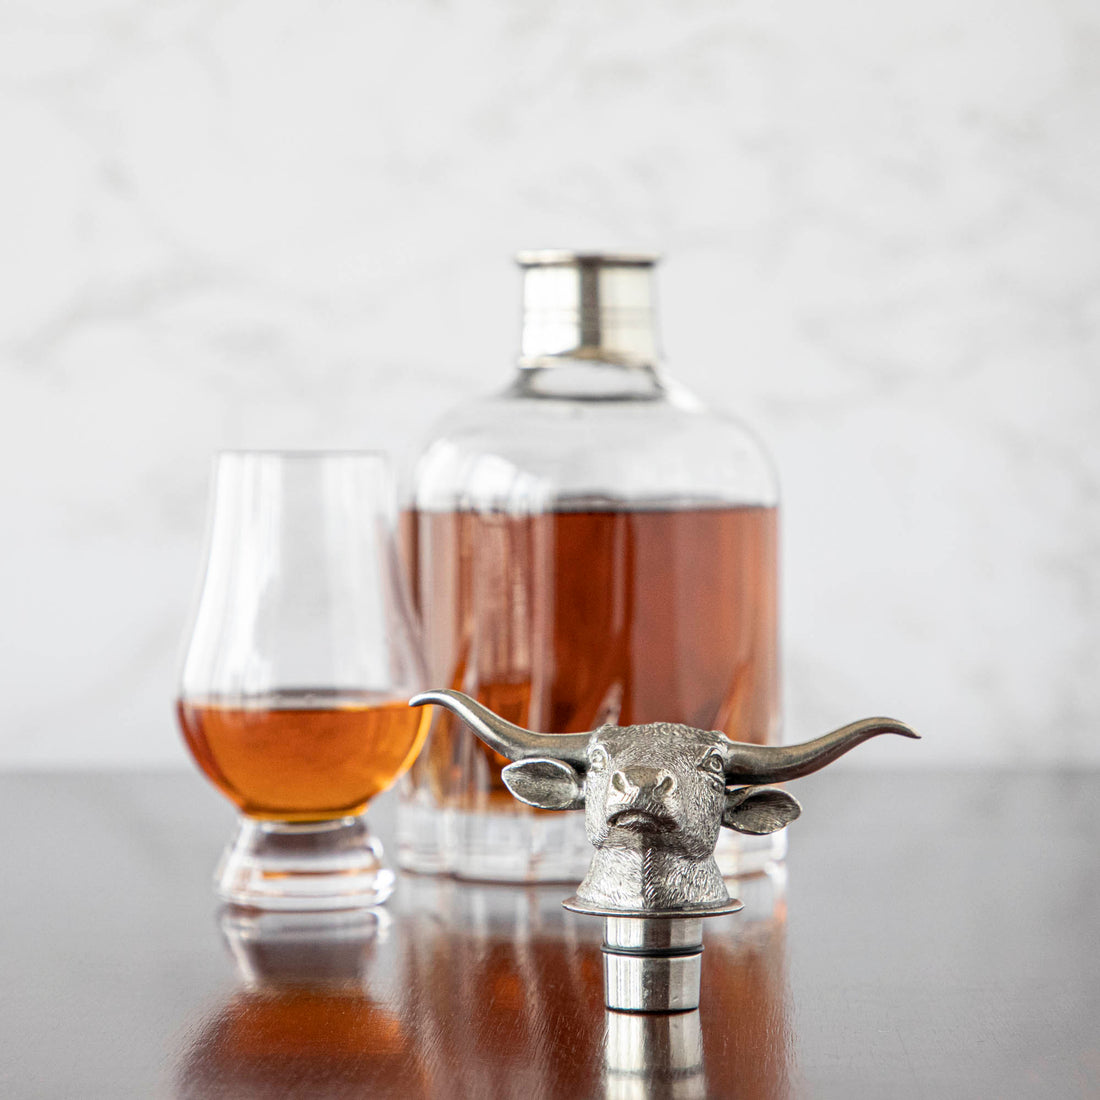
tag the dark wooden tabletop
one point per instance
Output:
(933, 936)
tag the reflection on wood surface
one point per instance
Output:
(505, 990)
(304, 1024)
(745, 1006)
(485, 992)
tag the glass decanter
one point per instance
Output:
(590, 545)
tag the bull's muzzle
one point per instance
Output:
(628, 784)
(637, 798)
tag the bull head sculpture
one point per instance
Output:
(655, 796)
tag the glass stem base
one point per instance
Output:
(304, 865)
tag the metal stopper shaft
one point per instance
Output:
(652, 965)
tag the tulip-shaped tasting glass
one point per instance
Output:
(295, 682)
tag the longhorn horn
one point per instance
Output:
(771, 764)
(509, 740)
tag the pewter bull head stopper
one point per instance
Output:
(654, 798)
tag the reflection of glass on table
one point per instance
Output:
(461, 990)
(303, 1024)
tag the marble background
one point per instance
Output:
(289, 223)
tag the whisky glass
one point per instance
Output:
(300, 661)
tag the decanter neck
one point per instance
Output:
(588, 306)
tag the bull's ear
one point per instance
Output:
(548, 784)
(759, 810)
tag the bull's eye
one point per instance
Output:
(713, 764)
(598, 758)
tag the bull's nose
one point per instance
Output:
(628, 782)
(624, 786)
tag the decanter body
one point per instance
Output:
(589, 546)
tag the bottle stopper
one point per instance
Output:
(655, 797)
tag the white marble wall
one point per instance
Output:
(289, 222)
